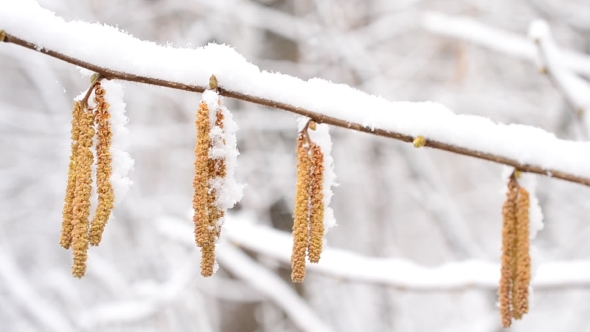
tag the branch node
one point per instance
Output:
(419, 142)
(312, 125)
(213, 84)
(2, 35)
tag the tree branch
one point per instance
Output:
(320, 118)
(397, 273)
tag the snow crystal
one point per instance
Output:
(122, 161)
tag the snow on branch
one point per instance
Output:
(117, 55)
(399, 273)
(514, 45)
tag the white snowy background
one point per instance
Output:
(416, 246)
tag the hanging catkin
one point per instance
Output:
(104, 170)
(200, 199)
(520, 294)
(82, 191)
(316, 215)
(508, 253)
(301, 215)
(68, 209)
(515, 278)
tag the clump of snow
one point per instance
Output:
(538, 30)
(122, 161)
(321, 137)
(223, 146)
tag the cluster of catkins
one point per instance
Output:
(515, 277)
(215, 190)
(77, 230)
(308, 224)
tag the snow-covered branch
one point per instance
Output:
(515, 45)
(575, 89)
(398, 273)
(117, 55)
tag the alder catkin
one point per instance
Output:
(508, 253)
(68, 209)
(82, 191)
(316, 216)
(301, 215)
(201, 175)
(520, 294)
(104, 170)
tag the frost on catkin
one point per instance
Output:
(106, 196)
(316, 215)
(301, 215)
(68, 209)
(82, 191)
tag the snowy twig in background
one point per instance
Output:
(550, 59)
(398, 273)
(14, 282)
(514, 45)
(525, 148)
(271, 285)
(260, 278)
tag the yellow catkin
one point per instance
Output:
(508, 253)
(104, 162)
(316, 216)
(520, 297)
(82, 191)
(201, 175)
(68, 209)
(203, 200)
(301, 215)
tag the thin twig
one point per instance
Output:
(319, 118)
